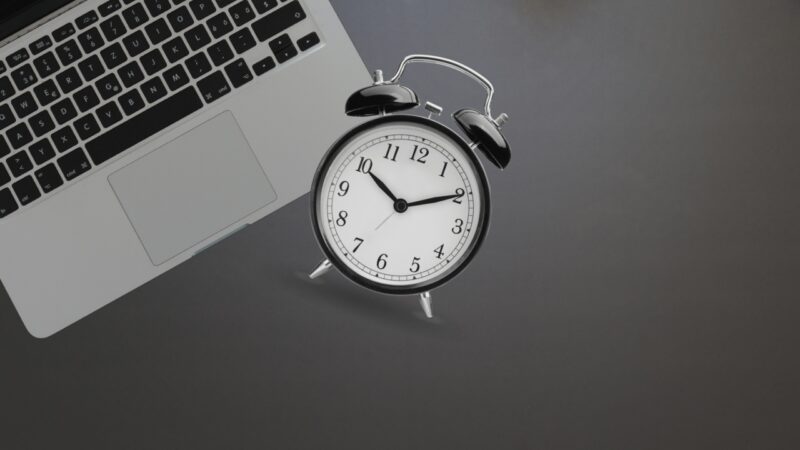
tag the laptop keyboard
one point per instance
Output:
(119, 74)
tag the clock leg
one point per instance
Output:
(425, 302)
(321, 269)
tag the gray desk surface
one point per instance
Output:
(639, 287)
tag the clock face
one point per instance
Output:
(401, 204)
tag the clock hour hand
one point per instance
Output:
(434, 200)
(383, 186)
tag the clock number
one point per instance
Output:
(414, 265)
(459, 193)
(459, 227)
(423, 153)
(360, 241)
(382, 261)
(364, 165)
(344, 188)
(342, 220)
(389, 151)
(444, 168)
(439, 252)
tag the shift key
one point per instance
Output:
(278, 21)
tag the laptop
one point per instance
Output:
(136, 133)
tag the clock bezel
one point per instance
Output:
(481, 222)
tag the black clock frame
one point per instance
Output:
(482, 222)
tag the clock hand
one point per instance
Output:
(383, 187)
(433, 200)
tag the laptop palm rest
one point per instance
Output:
(192, 188)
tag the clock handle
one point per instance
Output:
(452, 64)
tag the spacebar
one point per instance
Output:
(144, 125)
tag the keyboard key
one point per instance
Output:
(24, 104)
(26, 190)
(238, 72)
(5, 177)
(40, 45)
(41, 123)
(158, 31)
(90, 40)
(86, 99)
(130, 74)
(286, 54)
(64, 139)
(213, 87)
(46, 65)
(280, 42)
(175, 78)
(109, 7)
(241, 13)
(220, 53)
(135, 43)
(68, 80)
(219, 25)
(180, 19)
(263, 66)
(42, 151)
(197, 37)
(109, 114)
(4, 148)
(87, 126)
(276, 22)
(18, 57)
(224, 3)
(91, 68)
(153, 90)
(18, 135)
(175, 49)
(113, 55)
(64, 111)
(156, 7)
(198, 65)
(63, 32)
(7, 203)
(153, 62)
(202, 8)
(19, 163)
(6, 117)
(135, 16)
(48, 177)
(6, 89)
(68, 52)
(131, 102)
(263, 6)
(142, 126)
(113, 28)
(46, 92)
(308, 41)
(24, 77)
(242, 40)
(108, 86)
(74, 164)
(86, 20)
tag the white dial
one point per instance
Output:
(401, 204)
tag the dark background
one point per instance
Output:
(638, 288)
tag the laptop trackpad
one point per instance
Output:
(192, 188)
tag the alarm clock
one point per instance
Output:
(400, 203)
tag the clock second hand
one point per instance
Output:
(385, 220)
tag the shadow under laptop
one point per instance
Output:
(400, 311)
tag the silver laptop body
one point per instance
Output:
(155, 174)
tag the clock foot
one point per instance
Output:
(321, 269)
(425, 302)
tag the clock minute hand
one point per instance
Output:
(433, 200)
(383, 186)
